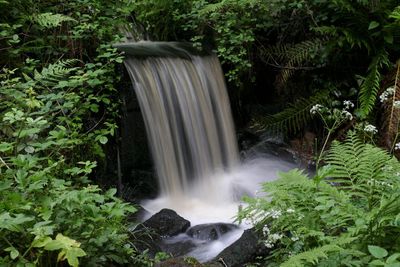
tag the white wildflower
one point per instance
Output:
(275, 214)
(266, 230)
(397, 146)
(269, 244)
(388, 92)
(396, 104)
(316, 108)
(275, 237)
(348, 104)
(347, 115)
(369, 128)
(290, 210)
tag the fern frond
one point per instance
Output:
(356, 165)
(52, 74)
(311, 256)
(49, 20)
(291, 119)
(370, 85)
(290, 57)
(314, 255)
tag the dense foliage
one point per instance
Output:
(314, 51)
(59, 104)
(58, 107)
(347, 215)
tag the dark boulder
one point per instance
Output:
(210, 231)
(167, 223)
(242, 251)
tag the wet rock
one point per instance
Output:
(210, 231)
(145, 240)
(167, 223)
(242, 251)
(178, 247)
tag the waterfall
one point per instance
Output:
(189, 125)
(188, 119)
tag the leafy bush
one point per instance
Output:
(47, 203)
(348, 214)
(57, 109)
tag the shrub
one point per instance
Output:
(348, 214)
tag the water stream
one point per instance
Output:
(192, 139)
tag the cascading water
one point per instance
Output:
(191, 134)
(187, 117)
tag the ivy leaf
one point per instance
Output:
(377, 252)
(373, 25)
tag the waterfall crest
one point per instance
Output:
(188, 119)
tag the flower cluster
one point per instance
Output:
(387, 93)
(369, 128)
(396, 104)
(272, 239)
(348, 104)
(316, 108)
(397, 146)
(347, 115)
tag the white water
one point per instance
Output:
(192, 139)
(219, 200)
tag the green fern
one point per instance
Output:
(310, 256)
(357, 166)
(314, 255)
(49, 20)
(293, 118)
(370, 85)
(53, 74)
(290, 57)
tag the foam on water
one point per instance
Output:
(218, 199)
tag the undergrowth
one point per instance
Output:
(346, 215)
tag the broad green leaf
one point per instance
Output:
(393, 258)
(388, 38)
(111, 192)
(5, 147)
(73, 254)
(377, 263)
(5, 184)
(377, 252)
(54, 245)
(41, 242)
(373, 25)
(14, 253)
